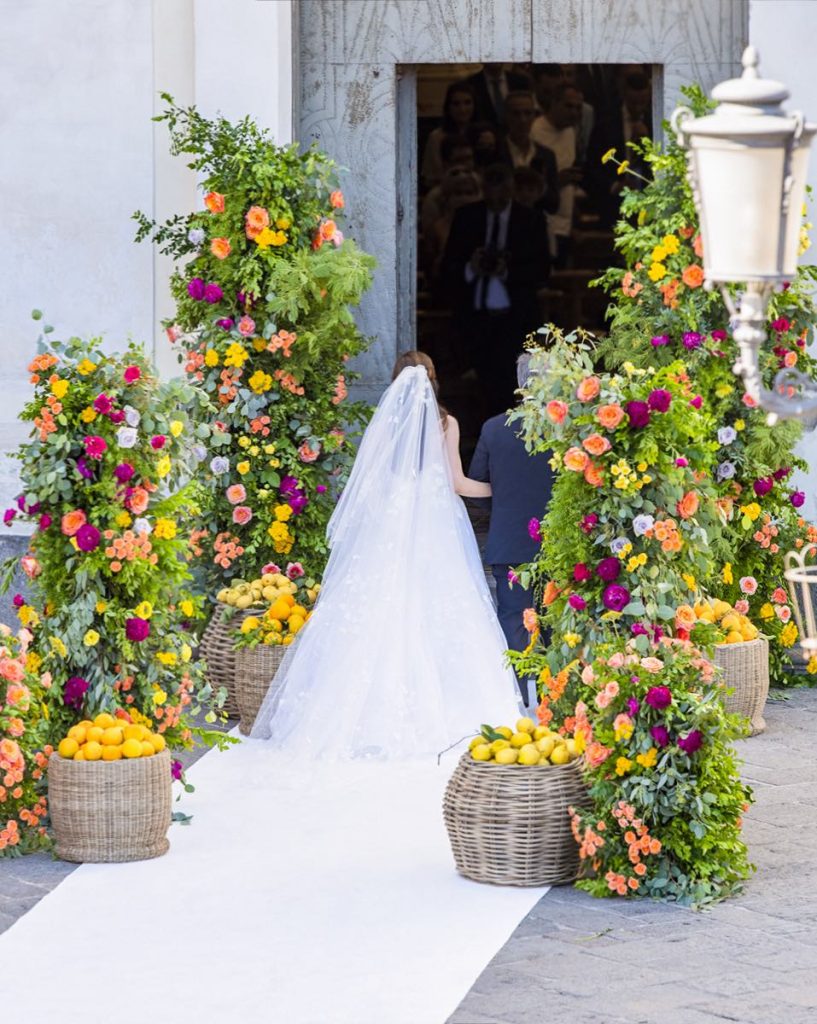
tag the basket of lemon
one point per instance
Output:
(744, 658)
(254, 601)
(109, 792)
(506, 806)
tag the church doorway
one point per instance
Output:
(515, 211)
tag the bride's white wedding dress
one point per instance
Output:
(403, 655)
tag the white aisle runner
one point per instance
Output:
(300, 894)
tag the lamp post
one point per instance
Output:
(748, 162)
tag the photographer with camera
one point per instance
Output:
(496, 259)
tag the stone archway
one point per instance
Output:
(356, 99)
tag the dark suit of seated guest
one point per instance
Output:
(521, 486)
(518, 149)
(494, 263)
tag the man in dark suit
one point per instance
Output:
(496, 259)
(490, 86)
(521, 485)
(517, 148)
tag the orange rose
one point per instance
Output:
(588, 389)
(255, 220)
(693, 276)
(556, 411)
(336, 199)
(688, 505)
(596, 444)
(575, 460)
(551, 593)
(72, 521)
(685, 617)
(138, 501)
(220, 248)
(698, 247)
(593, 475)
(609, 416)
(529, 619)
(328, 229)
(214, 201)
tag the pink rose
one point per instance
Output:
(30, 566)
(242, 514)
(612, 689)
(270, 568)
(780, 596)
(783, 612)
(653, 665)
(246, 326)
(236, 494)
(133, 373)
(294, 570)
(588, 675)
(748, 584)
(616, 660)
(307, 454)
(742, 606)
(602, 700)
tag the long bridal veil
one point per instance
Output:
(403, 655)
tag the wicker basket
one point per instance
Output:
(255, 669)
(105, 812)
(509, 825)
(218, 649)
(746, 672)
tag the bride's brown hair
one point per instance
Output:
(415, 358)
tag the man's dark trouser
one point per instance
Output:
(511, 602)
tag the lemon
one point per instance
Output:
(546, 745)
(503, 730)
(92, 750)
(132, 748)
(296, 623)
(280, 610)
(79, 756)
(734, 637)
(112, 737)
(526, 725)
(132, 732)
(730, 622)
(147, 748)
(529, 754)
(481, 752)
(110, 753)
(540, 732)
(86, 723)
(519, 739)
(77, 732)
(507, 756)
(104, 721)
(572, 748)
(68, 747)
(157, 741)
(498, 745)
(95, 733)
(543, 759)
(560, 755)
(477, 741)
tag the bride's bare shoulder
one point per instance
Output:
(450, 424)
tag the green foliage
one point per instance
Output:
(264, 325)
(660, 311)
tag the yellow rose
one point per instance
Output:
(176, 427)
(91, 638)
(211, 357)
(242, 468)
(186, 607)
(244, 442)
(740, 425)
(145, 609)
(163, 466)
(88, 415)
(269, 449)
(58, 388)
(259, 344)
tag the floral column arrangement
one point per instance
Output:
(107, 569)
(263, 325)
(660, 312)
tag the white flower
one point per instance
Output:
(220, 464)
(126, 437)
(642, 523)
(726, 435)
(132, 417)
(196, 236)
(141, 525)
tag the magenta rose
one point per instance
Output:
(797, 499)
(659, 400)
(132, 374)
(123, 472)
(632, 707)
(659, 339)
(659, 697)
(8, 516)
(696, 402)
(762, 486)
(691, 742)
(660, 735)
(74, 691)
(581, 572)
(45, 521)
(225, 323)
(577, 603)
(608, 569)
(534, 530)
(88, 538)
(95, 446)
(782, 473)
(195, 289)
(116, 415)
(615, 597)
(638, 413)
(158, 441)
(103, 404)
(137, 629)
(213, 293)
(588, 522)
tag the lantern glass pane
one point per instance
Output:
(799, 171)
(740, 190)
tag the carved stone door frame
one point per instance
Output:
(355, 94)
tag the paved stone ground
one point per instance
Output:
(751, 959)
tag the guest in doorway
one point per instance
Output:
(490, 88)
(556, 130)
(458, 113)
(518, 149)
(494, 263)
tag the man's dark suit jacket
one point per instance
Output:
(484, 109)
(545, 163)
(521, 485)
(528, 258)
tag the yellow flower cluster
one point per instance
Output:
(211, 357)
(624, 731)
(572, 639)
(267, 237)
(751, 511)
(165, 529)
(623, 765)
(788, 634)
(163, 466)
(648, 760)
(124, 519)
(690, 580)
(635, 563)
(726, 573)
(283, 513)
(282, 539)
(85, 367)
(767, 611)
(625, 550)
(236, 355)
(260, 382)
(88, 415)
(59, 388)
(167, 658)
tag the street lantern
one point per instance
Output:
(748, 163)
(802, 580)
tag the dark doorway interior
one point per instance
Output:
(516, 211)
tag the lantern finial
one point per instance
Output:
(750, 61)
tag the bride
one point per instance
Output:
(403, 655)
